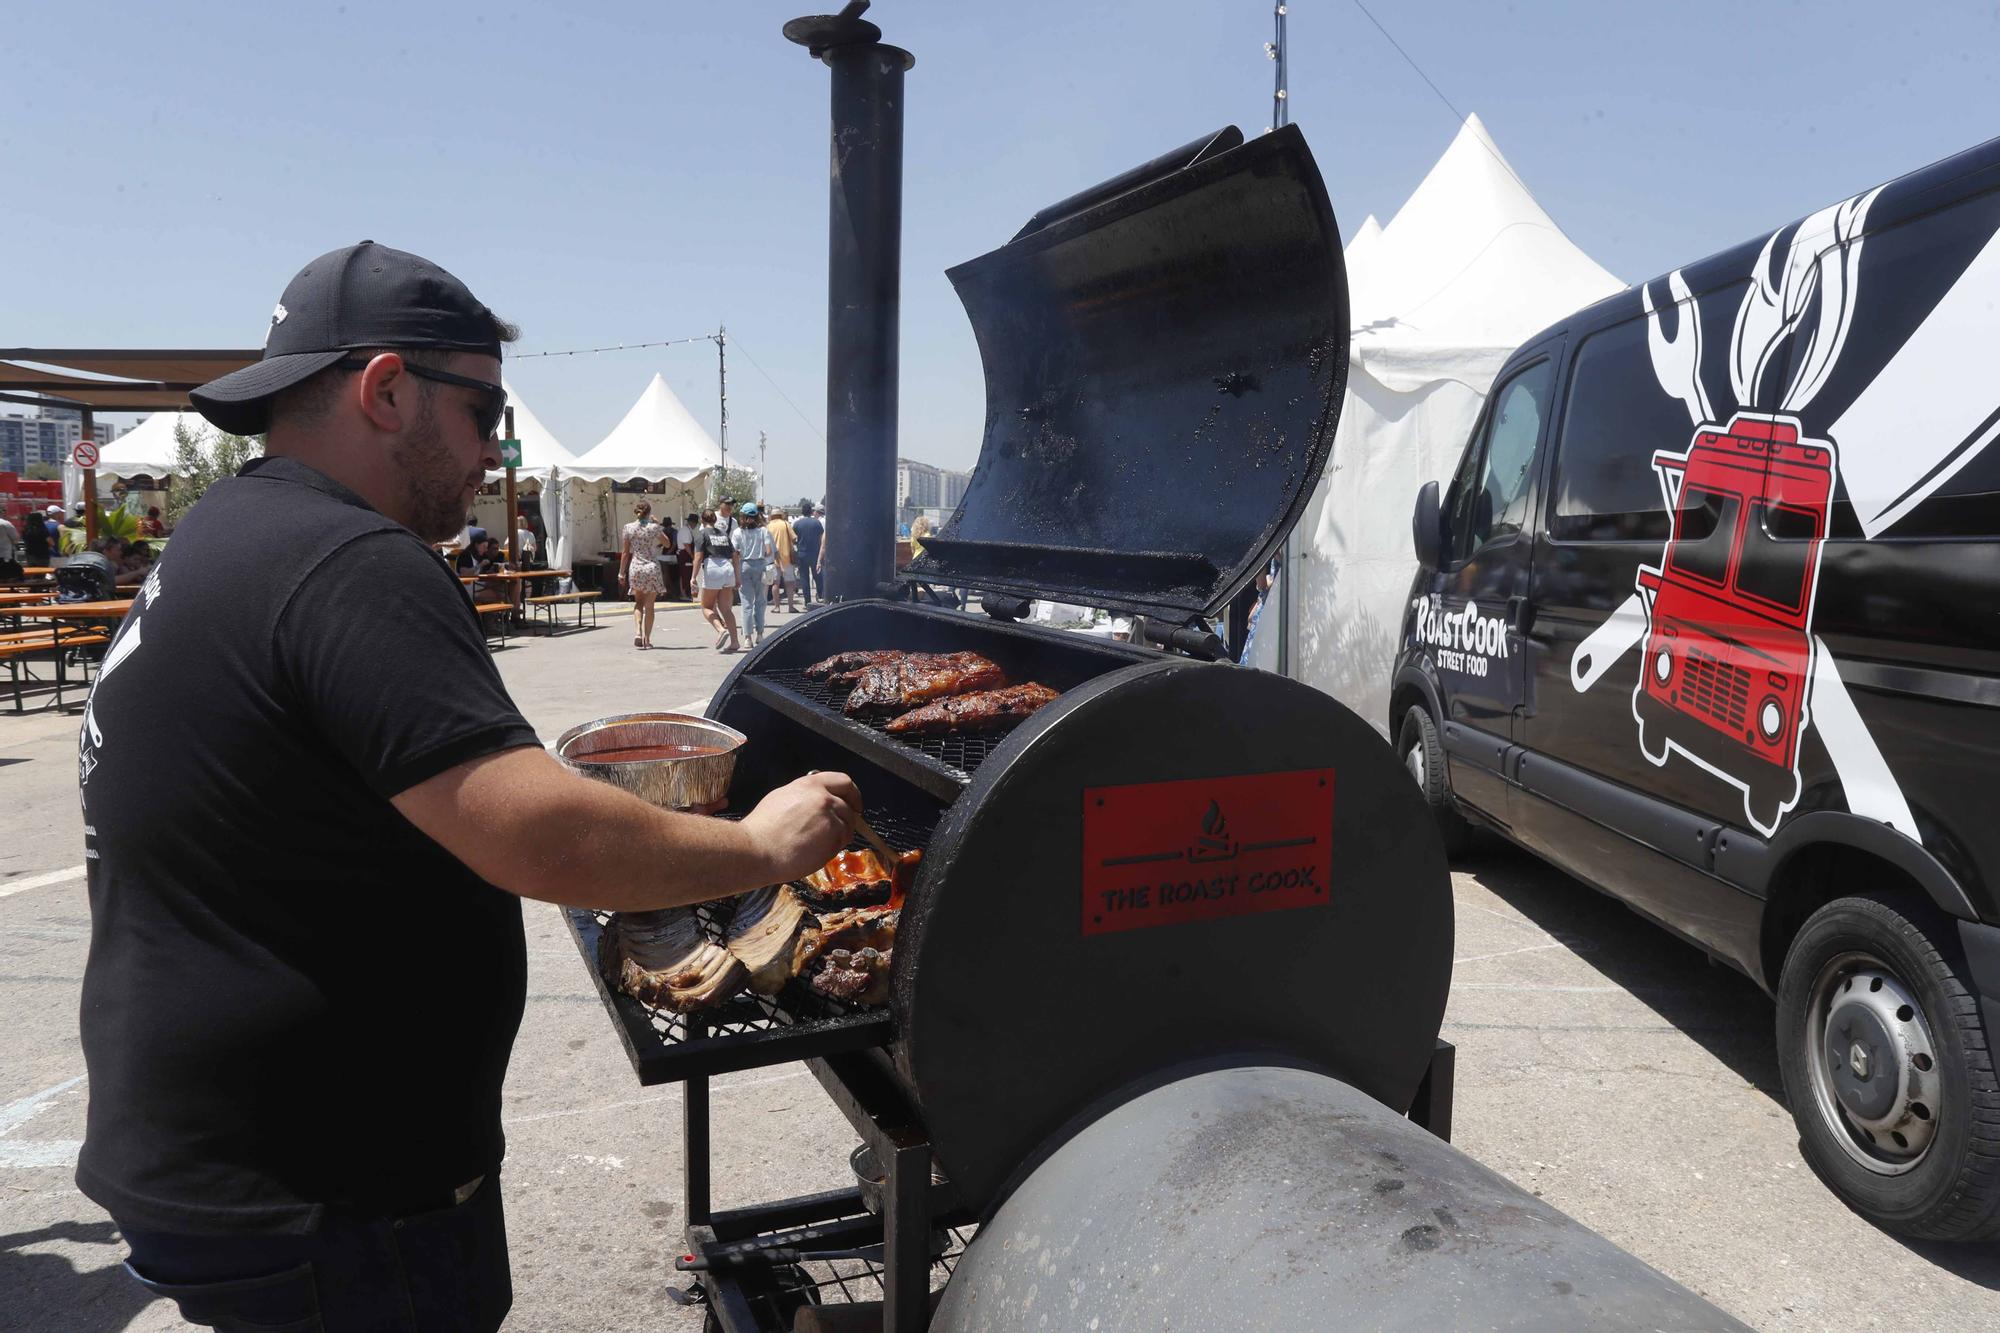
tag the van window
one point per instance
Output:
(1776, 545)
(1708, 525)
(1605, 487)
(1490, 500)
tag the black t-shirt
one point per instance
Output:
(806, 534)
(293, 996)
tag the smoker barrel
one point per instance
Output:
(1176, 861)
(1268, 1198)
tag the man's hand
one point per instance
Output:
(802, 824)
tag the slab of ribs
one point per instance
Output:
(917, 678)
(986, 710)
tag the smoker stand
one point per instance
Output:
(754, 1268)
(895, 1240)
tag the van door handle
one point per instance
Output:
(1520, 615)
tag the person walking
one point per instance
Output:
(684, 541)
(755, 550)
(807, 534)
(788, 573)
(294, 1113)
(639, 557)
(719, 566)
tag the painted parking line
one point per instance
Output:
(31, 1154)
(1506, 953)
(14, 886)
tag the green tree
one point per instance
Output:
(737, 483)
(202, 458)
(43, 472)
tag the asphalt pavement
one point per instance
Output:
(1601, 1064)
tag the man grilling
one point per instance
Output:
(311, 811)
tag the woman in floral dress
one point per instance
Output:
(639, 569)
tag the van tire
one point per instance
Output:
(1422, 754)
(1952, 1193)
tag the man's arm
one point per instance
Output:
(521, 821)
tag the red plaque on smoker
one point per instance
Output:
(1155, 853)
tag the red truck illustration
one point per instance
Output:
(1729, 649)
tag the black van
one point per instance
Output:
(1709, 617)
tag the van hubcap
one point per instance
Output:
(1414, 761)
(1873, 1063)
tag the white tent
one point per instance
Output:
(1468, 268)
(1359, 271)
(148, 448)
(543, 457)
(658, 440)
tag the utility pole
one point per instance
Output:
(1281, 115)
(1281, 112)
(762, 445)
(722, 387)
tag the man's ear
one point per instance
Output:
(385, 393)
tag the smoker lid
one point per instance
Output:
(1165, 357)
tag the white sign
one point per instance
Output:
(84, 455)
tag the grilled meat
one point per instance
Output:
(853, 930)
(920, 677)
(857, 975)
(663, 958)
(762, 935)
(988, 710)
(855, 879)
(845, 666)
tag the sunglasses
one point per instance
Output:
(488, 412)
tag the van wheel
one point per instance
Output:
(1423, 756)
(1889, 1070)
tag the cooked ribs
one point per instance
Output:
(763, 934)
(857, 975)
(663, 958)
(853, 930)
(988, 710)
(846, 666)
(920, 677)
(855, 879)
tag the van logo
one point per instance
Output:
(1728, 653)
(1730, 670)
(1467, 640)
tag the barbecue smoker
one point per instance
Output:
(1165, 998)
(1730, 647)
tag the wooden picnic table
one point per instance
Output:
(8, 599)
(59, 613)
(38, 571)
(520, 578)
(514, 575)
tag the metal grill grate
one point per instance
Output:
(963, 753)
(1717, 689)
(666, 1046)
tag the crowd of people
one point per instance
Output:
(726, 558)
(41, 538)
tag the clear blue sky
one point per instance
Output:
(606, 173)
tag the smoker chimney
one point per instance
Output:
(864, 294)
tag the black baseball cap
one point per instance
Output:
(361, 296)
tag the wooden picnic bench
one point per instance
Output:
(551, 603)
(20, 647)
(493, 620)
